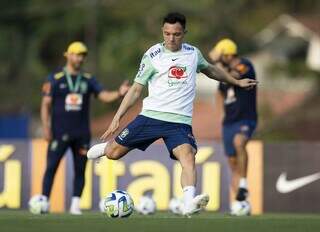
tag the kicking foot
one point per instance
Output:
(96, 151)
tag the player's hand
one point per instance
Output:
(47, 134)
(247, 83)
(124, 88)
(114, 126)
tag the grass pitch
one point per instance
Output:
(14, 221)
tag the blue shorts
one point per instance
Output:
(143, 131)
(245, 127)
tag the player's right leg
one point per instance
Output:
(55, 152)
(139, 134)
(233, 164)
(240, 142)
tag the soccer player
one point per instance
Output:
(240, 114)
(65, 117)
(169, 68)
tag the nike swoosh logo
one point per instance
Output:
(174, 59)
(286, 186)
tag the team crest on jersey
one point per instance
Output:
(83, 87)
(124, 133)
(177, 72)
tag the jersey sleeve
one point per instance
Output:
(146, 71)
(202, 62)
(95, 86)
(47, 86)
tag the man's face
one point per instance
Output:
(227, 59)
(173, 35)
(75, 60)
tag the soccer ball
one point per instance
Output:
(101, 205)
(176, 205)
(117, 204)
(240, 208)
(38, 204)
(146, 206)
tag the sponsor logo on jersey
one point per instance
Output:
(188, 48)
(242, 69)
(154, 53)
(177, 72)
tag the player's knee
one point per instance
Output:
(113, 153)
(239, 142)
(233, 164)
(188, 160)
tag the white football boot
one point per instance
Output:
(198, 203)
(96, 151)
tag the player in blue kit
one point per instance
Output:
(240, 113)
(65, 117)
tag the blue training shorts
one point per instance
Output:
(143, 131)
(245, 127)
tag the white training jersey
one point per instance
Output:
(171, 78)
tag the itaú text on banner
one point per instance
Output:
(152, 172)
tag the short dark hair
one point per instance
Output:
(174, 17)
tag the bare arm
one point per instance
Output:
(129, 100)
(218, 73)
(110, 96)
(45, 114)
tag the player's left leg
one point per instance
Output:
(79, 149)
(233, 164)
(240, 141)
(55, 151)
(182, 146)
(185, 154)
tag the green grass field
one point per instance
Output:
(11, 221)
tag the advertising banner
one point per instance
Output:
(14, 173)
(22, 165)
(292, 177)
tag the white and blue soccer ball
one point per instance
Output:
(240, 208)
(38, 204)
(146, 206)
(176, 206)
(117, 204)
